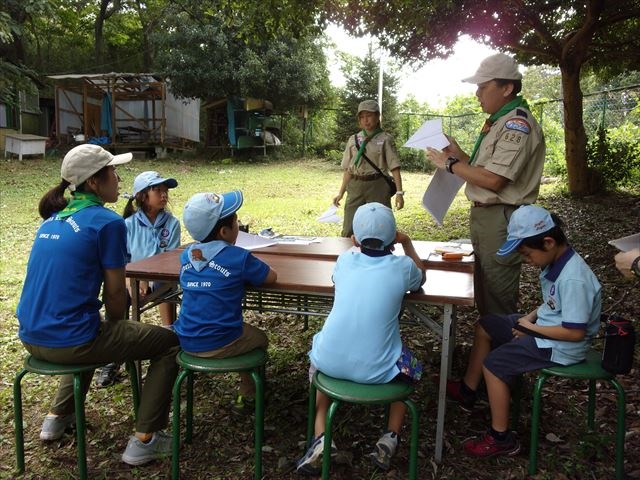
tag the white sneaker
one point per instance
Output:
(385, 449)
(53, 426)
(311, 463)
(139, 453)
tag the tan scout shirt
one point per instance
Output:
(515, 149)
(381, 150)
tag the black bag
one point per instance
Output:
(619, 344)
(393, 188)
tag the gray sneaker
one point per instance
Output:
(139, 453)
(385, 449)
(53, 426)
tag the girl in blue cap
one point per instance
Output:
(151, 229)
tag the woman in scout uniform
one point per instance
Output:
(502, 173)
(362, 183)
(80, 249)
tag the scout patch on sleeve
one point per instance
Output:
(518, 124)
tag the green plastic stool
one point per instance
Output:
(42, 367)
(364, 394)
(252, 362)
(591, 370)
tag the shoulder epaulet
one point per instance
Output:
(522, 113)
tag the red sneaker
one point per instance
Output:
(487, 446)
(454, 393)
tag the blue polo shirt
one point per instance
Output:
(60, 305)
(571, 297)
(213, 277)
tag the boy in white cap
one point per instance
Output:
(360, 180)
(502, 172)
(558, 332)
(369, 288)
(77, 265)
(213, 276)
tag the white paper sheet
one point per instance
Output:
(330, 216)
(624, 244)
(251, 242)
(292, 240)
(428, 135)
(440, 194)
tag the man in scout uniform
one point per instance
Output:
(502, 173)
(362, 183)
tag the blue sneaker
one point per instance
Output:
(311, 463)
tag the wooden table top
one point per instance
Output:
(332, 247)
(312, 275)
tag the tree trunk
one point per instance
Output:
(575, 137)
(98, 32)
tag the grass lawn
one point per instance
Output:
(288, 196)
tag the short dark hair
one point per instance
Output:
(537, 241)
(517, 84)
(372, 243)
(223, 222)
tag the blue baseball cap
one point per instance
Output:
(203, 210)
(527, 221)
(374, 220)
(149, 179)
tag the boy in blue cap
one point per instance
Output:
(369, 288)
(558, 332)
(213, 276)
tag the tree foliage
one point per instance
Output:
(600, 35)
(208, 59)
(15, 74)
(362, 83)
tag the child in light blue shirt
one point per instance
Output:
(360, 340)
(558, 332)
(151, 228)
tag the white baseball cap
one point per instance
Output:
(203, 210)
(83, 161)
(495, 66)
(374, 220)
(527, 221)
(149, 179)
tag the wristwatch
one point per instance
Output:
(635, 267)
(450, 162)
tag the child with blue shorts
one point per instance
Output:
(213, 275)
(558, 332)
(369, 288)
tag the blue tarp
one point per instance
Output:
(105, 115)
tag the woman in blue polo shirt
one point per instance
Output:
(79, 249)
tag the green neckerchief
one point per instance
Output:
(80, 200)
(515, 103)
(364, 143)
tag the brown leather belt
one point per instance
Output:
(366, 178)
